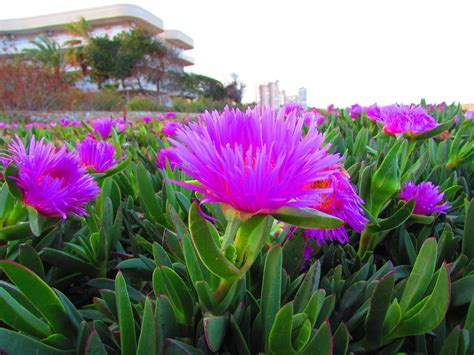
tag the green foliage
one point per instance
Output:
(152, 271)
(144, 103)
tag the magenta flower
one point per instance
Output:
(170, 114)
(341, 201)
(427, 197)
(469, 115)
(167, 154)
(373, 112)
(98, 156)
(255, 161)
(103, 126)
(52, 181)
(293, 106)
(65, 122)
(160, 116)
(170, 127)
(355, 111)
(408, 119)
(146, 119)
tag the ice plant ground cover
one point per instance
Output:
(325, 231)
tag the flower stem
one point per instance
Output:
(410, 148)
(223, 288)
(232, 225)
(364, 243)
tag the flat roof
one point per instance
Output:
(178, 39)
(98, 15)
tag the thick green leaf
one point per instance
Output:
(6, 201)
(314, 305)
(326, 309)
(16, 343)
(341, 340)
(469, 324)
(10, 172)
(238, 338)
(161, 256)
(176, 347)
(167, 282)
(396, 219)
(40, 295)
(304, 334)
(432, 312)
(307, 218)
(126, 322)
(30, 258)
(279, 338)
(147, 339)
(20, 318)
(468, 236)
(392, 318)
(94, 345)
(18, 231)
(452, 343)
(215, 329)
(271, 289)
(67, 262)
(321, 342)
(35, 221)
(206, 298)
(379, 304)
(250, 239)
(421, 275)
(148, 197)
(462, 290)
(386, 179)
(208, 251)
(165, 322)
(308, 287)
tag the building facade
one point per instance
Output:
(17, 34)
(269, 94)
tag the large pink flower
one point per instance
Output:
(255, 161)
(52, 181)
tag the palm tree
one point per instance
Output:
(48, 53)
(76, 55)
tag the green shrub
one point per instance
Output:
(144, 103)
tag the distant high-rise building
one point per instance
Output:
(269, 94)
(302, 96)
(263, 97)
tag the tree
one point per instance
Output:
(76, 55)
(235, 89)
(47, 53)
(101, 56)
(195, 85)
(155, 60)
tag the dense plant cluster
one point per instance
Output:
(294, 232)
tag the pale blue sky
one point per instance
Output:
(343, 51)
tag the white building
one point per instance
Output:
(302, 96)
(269, 94)
(17, 34)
